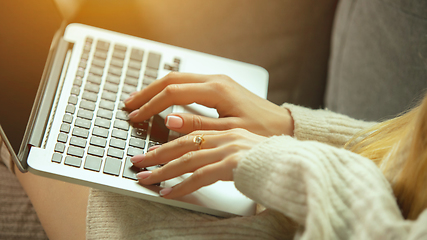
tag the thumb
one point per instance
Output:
(187, 123)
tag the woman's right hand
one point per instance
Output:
(237, 107)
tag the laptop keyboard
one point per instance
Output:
(95, 134)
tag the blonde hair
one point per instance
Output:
(399, 148)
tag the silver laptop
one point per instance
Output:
(78, 132)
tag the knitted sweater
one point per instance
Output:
(328, 192)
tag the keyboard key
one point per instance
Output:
(90, 96)
(121, 125)
(102, 45)
(112, 166)
(134, 151)
(137, 54)
(80, 132)
(120, 48)
(151, 73)
(136, 142)
(123, 115)
(67, 118)
(93, 163)
(134, 64)
(153, 60)
(138, 133)
(98, 62)
(124, 96)
(85, 114)
(133, 73)
(111, 87)
(117, 143)
(113, 79)
(70, 109)
(107, 105)
(72, 99)
(73, 161)
(87, 105)
(112, 152)
(78, 82)
(80, 73)
(94, 79)
(131, 81)
(92, 87)
(109, 96)
(75, 151)
(152, 144)
(129, 170)
(100, 132)
(83, 123)
(96, 151)
(62, 137)
(104, 114)
(119, 55)
(115, 71)
(101, 55)
(78, 142)
(59, 147)
(96, 71)
(57, 157)
(83, 63)
(119, 134)
(117, 62)
(75, 90)
(100, 122)
(65, 127)
(97, 141)
(128, 88)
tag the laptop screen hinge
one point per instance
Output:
(45, 98)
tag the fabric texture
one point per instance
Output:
(330, 192)
(378, 64)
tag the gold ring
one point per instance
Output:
(198, 140)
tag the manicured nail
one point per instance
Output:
(137, 158)
(133, 114)
(153, 147)
(174, 122)
(143, 174)
(133, 93)
(165, 191)
(128, 99)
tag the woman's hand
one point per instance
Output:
(237, 107)
(219, 154)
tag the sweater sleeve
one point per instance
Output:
(332, 193)
(324, 126)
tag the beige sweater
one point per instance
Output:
(328, 192)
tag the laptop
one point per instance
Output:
(78, 131)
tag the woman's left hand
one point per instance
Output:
(218, 155)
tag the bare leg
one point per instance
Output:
(60, 206)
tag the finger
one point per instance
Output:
(187, 123)
(177, 94)
(204, 176)
(140, 98)
(176, 148)
(187, 163)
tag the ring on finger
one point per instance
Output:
(199, 140)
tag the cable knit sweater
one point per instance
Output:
(312, 189)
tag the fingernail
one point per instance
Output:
(165, 191)
(137, 158)
(143, 175)
(133, 114)
(133, 94)
(174, 122)
(153, 147)
(128, 99)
